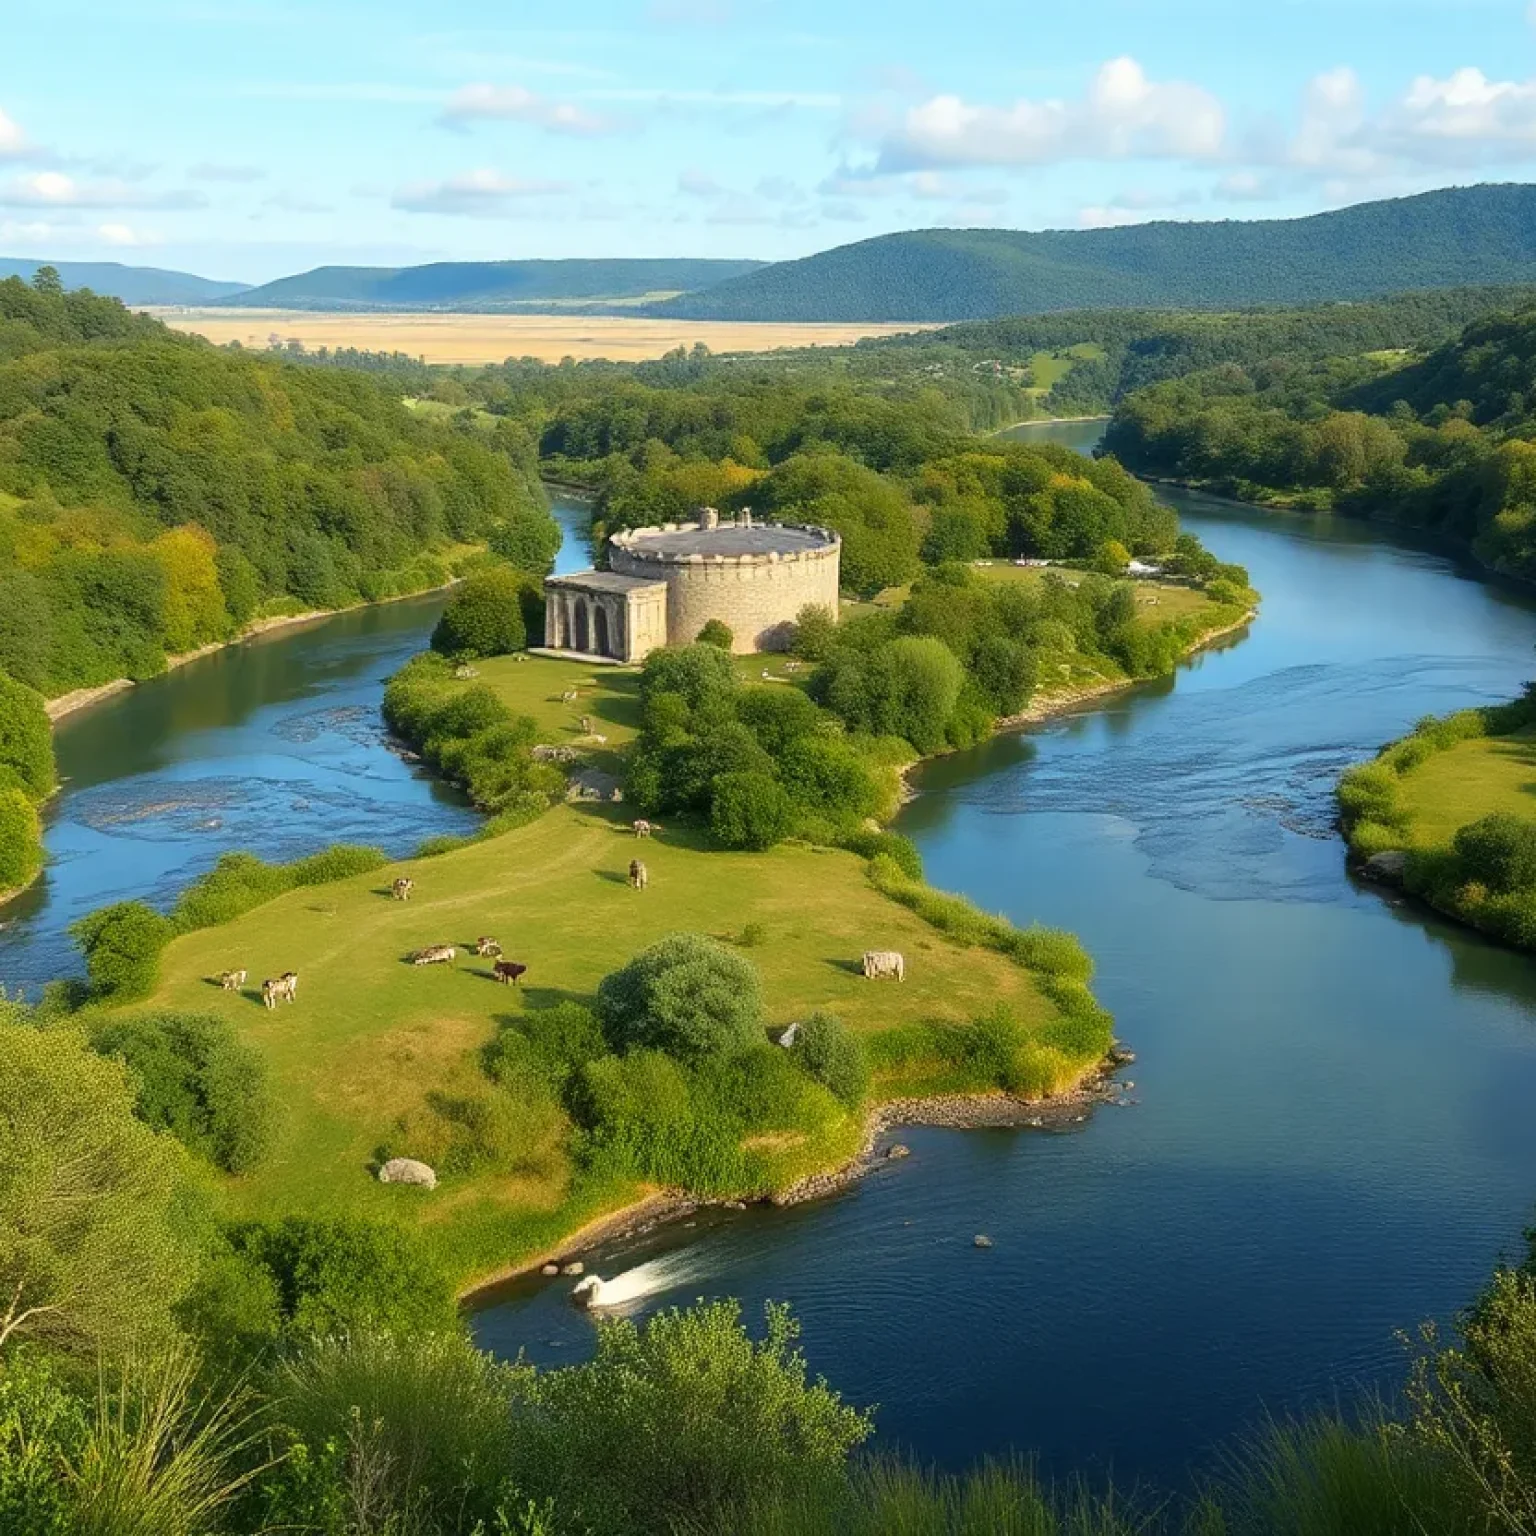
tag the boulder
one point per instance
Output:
(981, 1240)
(549, 1269)
(896, 1149)
(574, 1268)
(406, 1170)
(1386, 866)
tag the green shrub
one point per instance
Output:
(815, 632)
(241, 881)
(493, 1130)
(26, 738)
(897, 850)
(485, 616)
(424, 1423)
(21, 840)
(122, 945)
(750, 810)
(688, 995)
(1500, 851)
(340, 862)
(550, 1044)
(826, 1050)
(196, 1079)
(341, 1274)
(717, 633)
(681, 1422)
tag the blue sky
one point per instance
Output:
(250, 138)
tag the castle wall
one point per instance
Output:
(756, 596)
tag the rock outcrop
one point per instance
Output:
(406, 1170)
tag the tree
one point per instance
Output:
(21, 840)
(815, 632)
(93, 1248)
(46, 280)
(834, 1057)
(484, 617)
(689, 996)
(1500, 850)
(750, 810)
(718, 634)
(907, 687)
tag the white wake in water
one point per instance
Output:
(631, 1287)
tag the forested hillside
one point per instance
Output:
(1463, 235)
(1446, 443)
(156, 493)
(488, 285)
(133, 285)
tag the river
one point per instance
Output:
(1334, 1136)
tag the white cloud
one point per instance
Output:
(13, 142)
(482, 193)
(55, 189)
(1248, 187)
(1123, 115)
(126, 235)
(1463, 119)
(515, 103)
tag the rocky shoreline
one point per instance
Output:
(950, 1111)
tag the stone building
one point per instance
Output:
(665, 584)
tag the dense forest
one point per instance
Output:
(1446, 443)
(157, 493)
(1484, 234)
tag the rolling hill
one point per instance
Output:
(133, 285)
(485, 286)
(1464, 235)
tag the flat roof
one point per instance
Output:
(760, 539)
(600, 581)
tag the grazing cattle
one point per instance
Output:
(280, 989)
(639, 876)
(487, 947)
(569, 696)
(435, 954)
(231, 981)
(586, 725)
(402, 888)
(644, 828)
(879, 963)
(508, 971)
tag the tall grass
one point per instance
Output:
(158, 1460)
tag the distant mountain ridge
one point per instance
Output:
(133, 285)
(481, 286)
(1455, 237)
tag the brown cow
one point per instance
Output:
(487, 947)
(639, 876)
(402, 888)
(509, 971)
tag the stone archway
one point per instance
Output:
(602, 641)
(581, 639)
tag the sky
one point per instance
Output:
(247, 139)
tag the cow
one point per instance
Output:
(569, 696)
(879, 963)
(280, 989)
(639, 876)
(507, 971)
(402, 888)
(487, 947)
(586, 725)
(643, 828)
(231, 981)
(435, 954)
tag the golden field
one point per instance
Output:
(445, 338)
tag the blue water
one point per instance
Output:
(1336, 1133)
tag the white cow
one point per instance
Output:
(880, 963)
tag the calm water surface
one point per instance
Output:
(275, 746)
(1336, 1133)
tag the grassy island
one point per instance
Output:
(1449, 812)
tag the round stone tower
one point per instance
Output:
(754, 577)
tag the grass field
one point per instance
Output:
(371, 1035)
(1467, 781)
(449, 338)
(1048, 369)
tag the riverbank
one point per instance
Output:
(949, 1111)
(82, 698)
(1049, 421)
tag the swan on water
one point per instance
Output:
(589, 1292)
